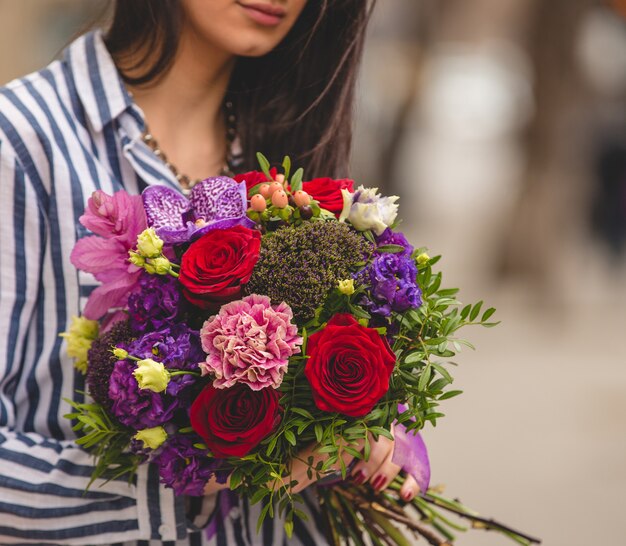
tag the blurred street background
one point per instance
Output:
(502, 125)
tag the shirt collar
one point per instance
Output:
(98, 83)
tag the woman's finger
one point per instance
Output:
(385, 473)
(409, 489)
(300, 465)
(380, 451)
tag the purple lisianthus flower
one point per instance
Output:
(185, 468)
(391, 278)
(134, 407)
(156, 304)
(215, 203)
(389, 237)
(393, 287)
(176, 346)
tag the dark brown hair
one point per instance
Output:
(297, 100)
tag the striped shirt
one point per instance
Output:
(65, 132)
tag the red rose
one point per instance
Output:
(328, 192)
(253, 178)
(349, 366)
(215, 266)
(234, 421)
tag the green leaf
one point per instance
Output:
(435, 341)
(475, 310)
(390, 249)
(262, 516)
(487, 314)
(465, 311)
(319, 433)
(442, 371)
(303, 412)
(265, 165)
(259, 496)
(235, 478)
(287, 166)
(271, 446)
(413, 357)
(449, 394)
(380, 431)
(290, 437)
(490, 324)
(296, 180)
(424, 377)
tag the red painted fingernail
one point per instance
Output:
(358, 477)
(408, 495)
(378, 482)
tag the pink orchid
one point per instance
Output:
(117, 220)
(120, 216)
(249, 341)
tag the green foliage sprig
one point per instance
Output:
(106, 439)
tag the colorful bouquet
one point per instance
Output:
(256, 318)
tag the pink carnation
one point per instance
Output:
(249, 341)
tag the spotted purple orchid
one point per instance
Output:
(215, 203)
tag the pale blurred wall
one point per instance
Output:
(33, 32)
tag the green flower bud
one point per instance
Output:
(136, 259)
(346, 287)
(422, 258)
(161, 265)
(151, 375)
(120, 354)
(152, 438)
(149, 244)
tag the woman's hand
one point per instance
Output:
(380, 470)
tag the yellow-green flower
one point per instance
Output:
(161, 265)
(346, 287)
(120, 354)
(422, 258)
(79, 338)
(152, 438)
(136, 259)
(149, 244)
(151, 375)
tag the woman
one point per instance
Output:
(278, 75)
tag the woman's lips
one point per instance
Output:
(264, 14)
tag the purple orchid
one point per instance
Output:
(215, 203)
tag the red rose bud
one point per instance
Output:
(328, 192)
(348, 367)
(214, 268)
(232, 422)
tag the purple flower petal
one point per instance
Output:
(164, 207)
(215, 203)
(411, 455)
(218, 198)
